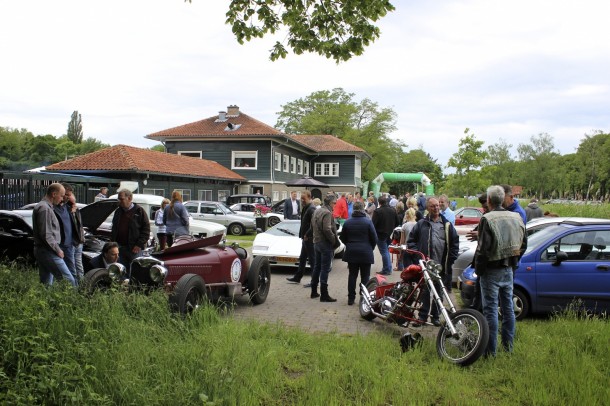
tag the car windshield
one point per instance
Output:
(285, 228)
(226, 209)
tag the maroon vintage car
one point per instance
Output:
(192, 271)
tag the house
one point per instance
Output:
(265, 156)
(155, 172)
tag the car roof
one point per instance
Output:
(567, 220)
(141, 198)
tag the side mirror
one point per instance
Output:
(560, 256)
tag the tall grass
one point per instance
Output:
(61, 347)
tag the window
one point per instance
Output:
(583, 246)
(276, 195)
(204, 195)
(278, 161)
(293, 165)
(284, 195)
(285, 166)
(244, 159)
(194, 154)
(156, 192)
(306, 168)
(222, 195)
(300, 166)
(326, 169)
(186, 194)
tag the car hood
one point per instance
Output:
(94, 214)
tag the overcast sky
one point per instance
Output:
(510, 69)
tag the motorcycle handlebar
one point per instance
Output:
(409, 251)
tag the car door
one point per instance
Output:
(584, 275)
(213, 212)
(193, 209)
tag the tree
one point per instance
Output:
(417, 160)
(539, 162)
(336, 113)
(158, 147)
(593, 153)
(498, 165)
(75, 128)
(335, 29)
(470, 156)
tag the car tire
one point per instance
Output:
(521, 304)
(97, 279)
(236, 229)
(259, 279)
(189, 293)
(273, 220)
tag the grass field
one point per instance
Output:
(58, 346)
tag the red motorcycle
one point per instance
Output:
(463, 334)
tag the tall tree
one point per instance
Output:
(75, 128)
(539, 163)
(499, 165)
(334, 29)
(418, 160)
(364, 124)
(593, 153)
(469, 157)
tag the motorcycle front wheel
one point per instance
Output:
(365, 310)
(471, 341)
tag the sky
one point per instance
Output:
(505, 70)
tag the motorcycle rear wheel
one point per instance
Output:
(471, 343)
(365, 310)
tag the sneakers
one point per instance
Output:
(383, 273)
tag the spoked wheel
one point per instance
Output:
(188, 295)
(471, 340)
(365, 310)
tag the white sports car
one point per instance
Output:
(282, 246)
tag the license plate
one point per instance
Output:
(285, 259)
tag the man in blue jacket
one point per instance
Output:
(436, 238)
(512, 204)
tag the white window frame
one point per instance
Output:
(306, 171)
(205, 194)
(300, 166)
(223, 194)
(192, 154)
(277, 161)
(329, 169)
(235, 155)
(186, 194)
(293, 165)
(276, 196)
(285, 163)
(284, 195)
(156, 192)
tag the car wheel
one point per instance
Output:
(259, 279)
(97, 279)
(189, 293)
(521, 304)
(236, 229)
(273, 220)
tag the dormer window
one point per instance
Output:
(232, 127)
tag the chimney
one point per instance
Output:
(233, 111)
(222, 116)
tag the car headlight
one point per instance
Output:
(116, 271)
(158, 273)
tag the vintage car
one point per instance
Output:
(247, 209)
(192, 271)
(220, 213)
(16, 233)
(468, 216)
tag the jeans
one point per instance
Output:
(307, 252)
(50, 265)
(382, 245)
(69, 258)
(354, 269)
(78, 262)
(323, 262)
(498, 282)
(425, 303)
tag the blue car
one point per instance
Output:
(564, 262)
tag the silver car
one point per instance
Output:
(220, 213)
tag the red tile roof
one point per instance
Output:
(212, 127)
(325, 143)
(121, 158)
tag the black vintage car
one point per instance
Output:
(16, 233)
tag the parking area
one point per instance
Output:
(290, 305)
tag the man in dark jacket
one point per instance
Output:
(306, 236)
(385, 221)
(359, 236)
(325, 240)
(291, 207)
(130, 228)
(109, 255)
(436, 238)
(532, 210)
